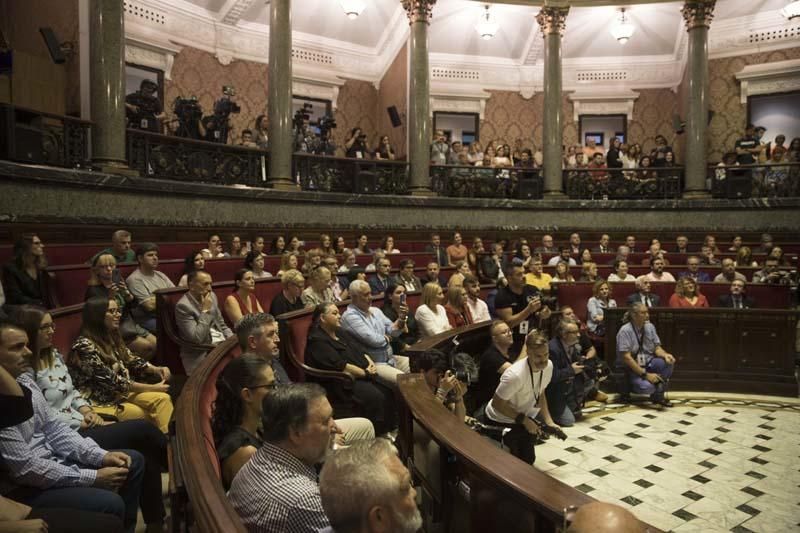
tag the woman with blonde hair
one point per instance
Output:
(288, 262)
(431, 316)
(601, 299)
(744, 257)
(562, 273)
(458, 314)
(326, 245)
(687, 294)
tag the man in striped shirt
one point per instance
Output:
(277, 489)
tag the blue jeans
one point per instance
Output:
(640, 385)
(124, 504)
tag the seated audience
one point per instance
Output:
(772, 274)
(643, 294)
(381, 279)
(708, 256)
(563, 256)
(737, 299)
(648, 366)
(328, 349)
(70, 407)
(407, 278)
(744, 257)
(687, 294)
(194, 261)
(120, 248)
(110, 377)
(456, 251)
(238, 249)
(199, 320)
(215, 246)
(777, 253)
(441, 380)
(457, 279)
(387, 246)
(562, 274)
(143, 282)
(393, 304)
(289, 261)
(361, 247)
(766, 245)
(520, 398)
(474, 254)
(657, 272)
(277, 246)
(477, 307)
(435, 249)
(620, 272)
(259, 245)
(276, 490)
(547, 247)
(586, 257)
(603, 246)
(573, 381)
(105, 282)
(520, 305)
(377, 256)
(694, 272)
(601, 299)
(432, 275)
(48, 464)
(728, 273)
(373, 331)
(290, 297)
(431, 315)
(491, 266)
(367, 488)
(589, 272)
(536, 275)
(254, 262)
(242, 300)
(326, 245)
(295, 245)
(311, 261)
(458, 313)
(318, 290)
(339, 245)
(630, 242)
(348, 260)
(493, 362)
(24, 278)
(682, 244)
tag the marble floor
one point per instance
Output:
(707, 464)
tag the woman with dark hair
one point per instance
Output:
(339, 245)
(242, 301)
(110, 377)
(278, 246)
(236, 414)
(294, 245)
(326, 245)
(24, 278)
(387, 245)
(393, 301)
(289, 261)
(69, 406)
(361, 247)
(261, 132)
(254, 262)
(238, 249)
(777, 253)
(328, 349)
(195, 261)
(105, 282)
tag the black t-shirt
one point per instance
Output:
(517, 302)
(746, 143)
(488, 378)
(281, 305)
(325, 353)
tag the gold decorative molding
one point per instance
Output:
(552, 19)
(698, 13)
(418, 10)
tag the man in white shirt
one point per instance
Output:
(520, 398)
(564, 255)
(477, 307)
(657, 272)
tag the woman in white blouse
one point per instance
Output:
(431, 316)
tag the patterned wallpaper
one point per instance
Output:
(356, 108)
(394, 92)
(652, 115)
(730, 115)
(199, 73)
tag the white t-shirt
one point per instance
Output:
(614, 277)
(430, 323)
(522, 389)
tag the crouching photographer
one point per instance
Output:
(449, 382)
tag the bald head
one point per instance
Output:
(601, 517)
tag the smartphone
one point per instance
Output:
(403, 299)
(116, 277)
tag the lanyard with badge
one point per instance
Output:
(640, 355)
(533, 411)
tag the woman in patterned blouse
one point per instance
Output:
(110, 377)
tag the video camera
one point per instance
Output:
(189, 112)
(302, 116)
(326, 124)
(225, 106)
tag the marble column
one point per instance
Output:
(698, 15)
(552, 21)
(107, 84)
(279, 104)
(419, 116)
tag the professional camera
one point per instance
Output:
(463, 367)
(189, 112)
(225, 106)
(326, 124)
(218, 125)
(302, 116)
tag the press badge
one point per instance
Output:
(523, 327)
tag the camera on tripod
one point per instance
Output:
(302, 116)
(225, 106)
(326, 124)
(189, 112)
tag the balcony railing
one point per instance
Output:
(754, 181)
(615, 184)
(177, 158)
(359, 176)
(486, 182)
(31, 136)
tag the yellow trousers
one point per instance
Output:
(155, 407)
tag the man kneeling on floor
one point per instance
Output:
(648, 366)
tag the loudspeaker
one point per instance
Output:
(739, 187)
(394, 116)
(365, 183)
(529, 189)
(53, 46)
(28, 144)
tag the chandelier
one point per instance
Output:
(352, 8)
(623, 29)
(487, 25)
(792, 10)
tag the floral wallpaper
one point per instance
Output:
(652, 115)
(394, 92)
(357, 105)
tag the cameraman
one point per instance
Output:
(143, 108)
(571, 382)
(189, 115)
(444, 383)
(356, 146)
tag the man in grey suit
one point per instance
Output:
(199, 319)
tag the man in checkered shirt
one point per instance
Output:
(277, 489)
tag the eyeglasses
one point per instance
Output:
(269, 386)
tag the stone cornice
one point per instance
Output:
(776, 77)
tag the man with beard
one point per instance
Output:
(657, 271)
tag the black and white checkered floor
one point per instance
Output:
(726, 463)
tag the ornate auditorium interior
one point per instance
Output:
(214, 128)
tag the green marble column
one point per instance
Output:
(279, 105)
(419, 116)
(551, 21)
(107, 84)
(698, 15)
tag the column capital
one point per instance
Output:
(552, 19)
(697, 13)
(418, 10)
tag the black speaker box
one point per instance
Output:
(739, 187)
(53, 46)
(529, 189)
(365, 183)
(28, 144)
(394, 116)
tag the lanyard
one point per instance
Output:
(536, 393)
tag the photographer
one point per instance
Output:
(520, 305)
(143, 109)
(384, 150)
(356, 145)
(573, 371)
(449, 385)
(218, 125)
(189, 115)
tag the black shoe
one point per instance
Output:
(666, 403)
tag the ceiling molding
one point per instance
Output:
(151, 55)
(769, 78)
(231, 13)
(603, 103)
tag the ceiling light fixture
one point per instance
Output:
(792, 10)
(487, 26)
(352, 8)
(623, 29)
